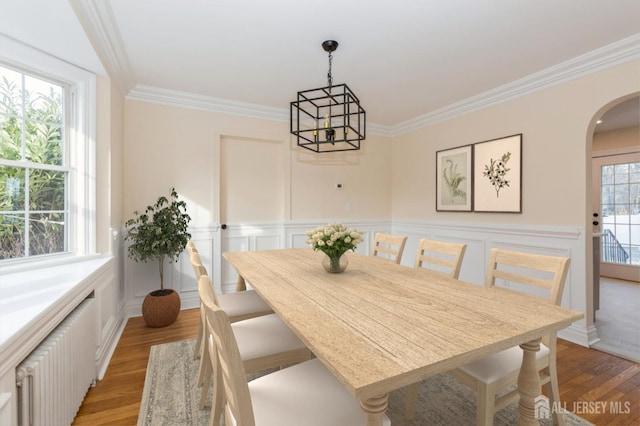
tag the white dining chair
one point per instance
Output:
(490, 376)
(304, 394)
(239, 305)
(388, 246)
(263, 343)
(441, 256)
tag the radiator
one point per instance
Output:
(53, 380)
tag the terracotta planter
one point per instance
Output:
(161, 308)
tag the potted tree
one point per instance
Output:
(157, 234)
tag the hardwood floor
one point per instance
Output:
(116, 399)
(599, 387)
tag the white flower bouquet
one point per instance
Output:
(334, 239)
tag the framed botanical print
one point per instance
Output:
(454, 179)
(497, 184)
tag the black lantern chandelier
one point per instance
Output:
(328, 119)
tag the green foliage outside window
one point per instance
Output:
(32, 173)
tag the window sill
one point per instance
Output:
(29, 296)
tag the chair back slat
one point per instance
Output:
(441, 253)
(196, 264)
(532, 281)
(390, 246)
(200, 271)
(194, 258)
(549, 272)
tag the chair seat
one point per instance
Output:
(264, 336)
(304, 394)
(496, 366)
(241, 303)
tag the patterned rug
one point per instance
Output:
(170, 396)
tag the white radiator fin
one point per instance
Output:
(53, 380)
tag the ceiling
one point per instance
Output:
(404, 59)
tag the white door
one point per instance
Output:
(616, 185)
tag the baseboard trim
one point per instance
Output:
(110, 344)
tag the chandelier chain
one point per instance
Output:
(329, 76)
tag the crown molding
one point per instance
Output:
(177, 98)
(597, 60)
(98, 22)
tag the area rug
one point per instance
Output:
(170, 396)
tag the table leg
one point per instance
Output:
(241, 285)
(529, 384)
(374, 408)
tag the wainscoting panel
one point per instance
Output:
(243, 237)
(110, 316)
(267, 242)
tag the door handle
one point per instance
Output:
(223, 226)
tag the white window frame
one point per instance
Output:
(82, 150)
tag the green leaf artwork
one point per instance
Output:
(453, 180)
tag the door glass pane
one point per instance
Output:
(620, 198)
(621, 173)
(607, 175)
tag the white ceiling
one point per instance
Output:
(403, 58)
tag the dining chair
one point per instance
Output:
(239, 305)
(492, 375)
(441, 256)
(388, 246)
(263, 343)
(304, 394)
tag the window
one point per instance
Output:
(47, 164)
(33, 167)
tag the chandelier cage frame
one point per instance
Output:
(328, 119)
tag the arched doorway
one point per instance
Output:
(615, 191)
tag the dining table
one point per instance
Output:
(379, 326)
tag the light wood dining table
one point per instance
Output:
(379, 326)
